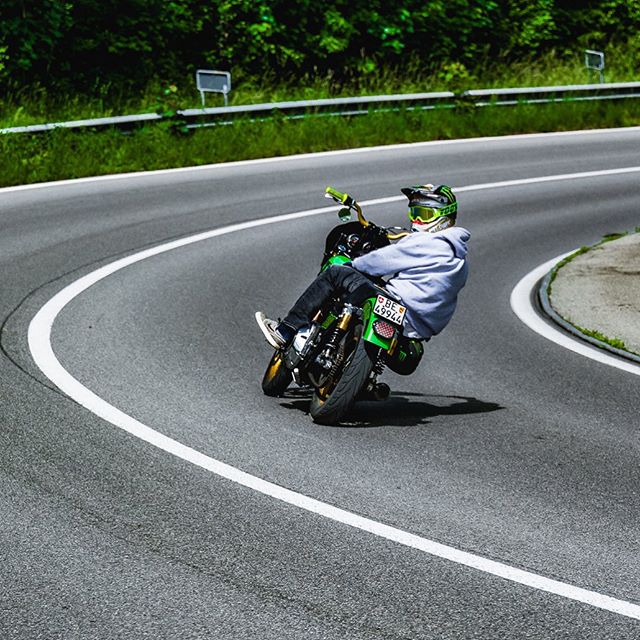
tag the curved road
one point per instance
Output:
(503, 444)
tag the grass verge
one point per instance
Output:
(612, 342)
(62, 154)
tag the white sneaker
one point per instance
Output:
(270, 330)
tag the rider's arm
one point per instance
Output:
(409, 252)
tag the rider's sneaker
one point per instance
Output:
(272, 331)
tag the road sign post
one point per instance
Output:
(213, 82)
(594, 61)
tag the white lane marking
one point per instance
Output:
(524, 309)
(39, 338)
(525, 181)
(321, 154)
(556, 178)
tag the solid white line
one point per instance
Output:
(524, 181)
(524, 309)
(556, 178)
(320, 154)
(39, 338)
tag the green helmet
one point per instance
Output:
(431, 208)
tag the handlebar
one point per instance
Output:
(397, 236)
(348, 201)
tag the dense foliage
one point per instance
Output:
(82, 43)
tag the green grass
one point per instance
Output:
(616, 343)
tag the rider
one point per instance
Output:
(425, 270)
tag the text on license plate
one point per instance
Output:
(389, 310)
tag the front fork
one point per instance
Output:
(386, 344)
(326, 359)
(328, 356)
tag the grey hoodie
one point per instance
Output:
(427, 272)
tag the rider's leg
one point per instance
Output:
(333, 279)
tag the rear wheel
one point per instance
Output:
(277, 377)
(330, 402)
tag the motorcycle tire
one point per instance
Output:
(277, 377)
(355, 373)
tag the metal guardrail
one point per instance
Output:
(537, 95)
(362, 105)
(115, 121)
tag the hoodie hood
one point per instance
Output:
(457, 237)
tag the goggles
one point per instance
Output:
(429, 214)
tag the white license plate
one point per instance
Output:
(389, 310)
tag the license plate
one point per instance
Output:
(389, 310)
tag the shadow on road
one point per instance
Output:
(401, 409)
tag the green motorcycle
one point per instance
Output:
(346, 347)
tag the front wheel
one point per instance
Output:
(331, 402)
(277, 377)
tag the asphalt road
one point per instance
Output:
(502, 444)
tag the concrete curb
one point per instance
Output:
(545, 303)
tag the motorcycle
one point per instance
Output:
(346, 347)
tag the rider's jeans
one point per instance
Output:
(335, 279)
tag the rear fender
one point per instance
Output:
(368, 320)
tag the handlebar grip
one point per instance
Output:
(335, 194)
(342, 198)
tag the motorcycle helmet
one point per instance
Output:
(431, 208)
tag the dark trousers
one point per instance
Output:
(333, 280)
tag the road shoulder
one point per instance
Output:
(596, 291)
